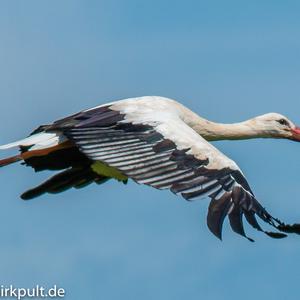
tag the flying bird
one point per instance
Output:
(158, 142)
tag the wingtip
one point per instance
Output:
(217, 232)
(275, 235)
(217, 235)
(294, 228)
(27, 196)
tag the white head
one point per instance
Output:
(274, 125)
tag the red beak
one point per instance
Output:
(296, 134)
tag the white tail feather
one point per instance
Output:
(40, 140)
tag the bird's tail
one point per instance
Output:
(36, 145)
(52, 151)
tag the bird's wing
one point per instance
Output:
(154, 146)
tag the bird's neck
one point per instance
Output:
(212, 131)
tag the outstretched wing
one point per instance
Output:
(159, 149)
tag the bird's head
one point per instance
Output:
(277, 126)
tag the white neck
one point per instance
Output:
(212, 131)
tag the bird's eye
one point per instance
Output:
(283, 122)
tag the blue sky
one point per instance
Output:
(228, 61)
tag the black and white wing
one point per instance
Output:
(157, 148)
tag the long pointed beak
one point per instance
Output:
(296, 134)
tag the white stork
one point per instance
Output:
(158, 142)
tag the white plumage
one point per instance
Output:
(159, 142)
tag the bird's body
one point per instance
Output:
(155, 141)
